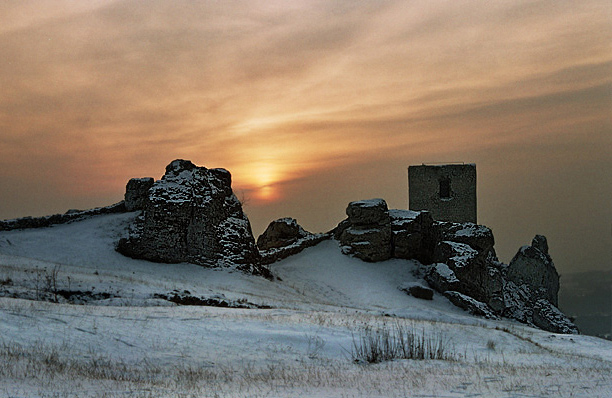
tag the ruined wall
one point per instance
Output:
(447, 191)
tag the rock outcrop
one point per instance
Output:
(367, 232)
(280, 233)
(192, 215)
(285, 237)
(459, 260)
(137, 192)
(533, 267)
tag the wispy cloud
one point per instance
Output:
(96, 92)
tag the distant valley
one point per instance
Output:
(587, 297)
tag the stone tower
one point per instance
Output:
(448, 191)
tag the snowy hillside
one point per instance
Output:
(78, 319)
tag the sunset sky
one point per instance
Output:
(312, 104)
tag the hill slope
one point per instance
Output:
(294, 336)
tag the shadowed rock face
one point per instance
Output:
(280, 233)
(192, 215)
(533, 267)
(367, 233)
(285, 237)
(137, 192)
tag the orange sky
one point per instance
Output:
(312, 104)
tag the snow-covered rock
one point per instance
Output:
(285, 237)
(442, 278)
(462, 259)
(367, 232)
(280, 233)
(192, 215)
(534, 267)
(470, 304)
(479, 237)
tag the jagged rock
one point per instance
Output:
(417, 290)
(541, 243)
(478, 237)
(442, 278)
(469, 304)
(192, 215)
(516, 302)
(456, 255)
(535, 268)
(478, 273)
(280, 233)
(367, 234)
(136, 193)
(548, 317)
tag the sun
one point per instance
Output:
(262, 180)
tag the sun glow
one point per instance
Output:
(261, 180)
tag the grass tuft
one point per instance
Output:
(398, 342)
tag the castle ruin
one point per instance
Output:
(447, 191)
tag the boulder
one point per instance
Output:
(417, 290)
(534, 267)
(136, 193)
(285, 237)
(367, 232)
(280, 233)
(442, 278)
(369, 213)
(192, 215)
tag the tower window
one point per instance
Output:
(445, 191)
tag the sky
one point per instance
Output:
(313, 104)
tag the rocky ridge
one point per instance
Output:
(69, 216)
(459, 260)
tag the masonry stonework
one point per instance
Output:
(447, 191)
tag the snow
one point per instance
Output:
(398, 214)
(370, 203)
(463, 253)
(137, 346)
(444, 271)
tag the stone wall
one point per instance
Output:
(448, 192)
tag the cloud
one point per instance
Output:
(285, 94)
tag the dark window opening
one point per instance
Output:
(445, 192)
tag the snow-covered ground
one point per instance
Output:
(127, 342)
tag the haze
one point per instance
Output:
(312, 104)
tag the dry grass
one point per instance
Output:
(399, 342)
